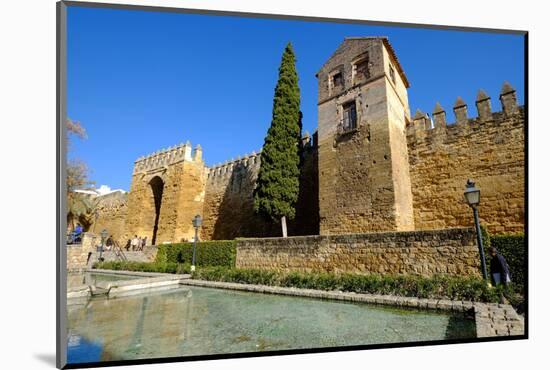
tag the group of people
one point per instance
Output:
(136, 243)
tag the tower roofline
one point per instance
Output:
(388, 46)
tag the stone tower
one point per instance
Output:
(364, 182)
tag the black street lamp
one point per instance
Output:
(104, 235)
(197, 222)
(472, 195)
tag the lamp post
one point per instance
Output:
(472, 195)
(197, 221)
(104, 235)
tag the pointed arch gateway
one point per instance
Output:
(157, 187)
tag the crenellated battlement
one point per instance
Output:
(425, 128)
(168, 156)
(489, 148)
(224, 170)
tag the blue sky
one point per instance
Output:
(140, 81)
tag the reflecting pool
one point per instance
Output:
(198, 321)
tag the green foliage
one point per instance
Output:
(277, 188)
(209, 253)
(437, 287)
(512, 247)
(164, 267)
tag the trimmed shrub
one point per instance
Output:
(437, 287)
(457, 288)
(164, 267)
(209, 253)
(512, 247)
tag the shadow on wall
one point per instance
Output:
(236, 215)
(307, 209)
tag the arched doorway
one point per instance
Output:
(157, 186)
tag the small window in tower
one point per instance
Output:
(392, 74)
(362, 69)
(349, 120)
(337, 80)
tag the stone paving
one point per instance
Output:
(497, 320)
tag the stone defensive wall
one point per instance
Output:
(229, 200)
(228, 209)
(112, 209)
(489, 149)
(426, 253)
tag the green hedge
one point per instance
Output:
(209, 253)
(512, 247)
(456, 288)
(165, 267)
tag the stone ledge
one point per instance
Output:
(420, 234)
(149, 282)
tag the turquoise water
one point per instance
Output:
(198, 321)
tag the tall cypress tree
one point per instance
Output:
(277, 187)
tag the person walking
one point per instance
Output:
(135, 242)
(143, 242)
(500, 271)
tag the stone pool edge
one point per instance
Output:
(149, 281)
(491, 319)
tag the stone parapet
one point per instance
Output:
(426, 253)
(489, 149)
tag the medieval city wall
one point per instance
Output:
(228, 210)
(426, 253)
(112, 210)
(488, 149)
